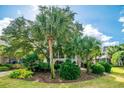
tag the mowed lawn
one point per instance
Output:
(113, 80)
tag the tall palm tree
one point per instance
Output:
(54, 22)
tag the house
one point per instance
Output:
(3, 59)
(104, 55)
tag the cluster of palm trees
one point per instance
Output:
(54, 31)
(116, 54)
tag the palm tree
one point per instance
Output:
(112, 49)
(54, 23)
(89, 46)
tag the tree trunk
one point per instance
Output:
(51, 58)
(78, 60)
(88, 66)
(48, 61)
(94, 61)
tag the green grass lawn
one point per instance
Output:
(113, 80)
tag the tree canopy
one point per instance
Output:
(118, 58)
(24, 36)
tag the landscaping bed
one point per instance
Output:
(108, 81)
(45, 77)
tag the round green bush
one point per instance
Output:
(21, 74)
(107, 66)
(69, 71)
(97, 68)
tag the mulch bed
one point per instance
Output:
(45, 77)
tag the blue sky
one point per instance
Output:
(102, 21)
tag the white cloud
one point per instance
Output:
(121, 19)
(89, 30)
(111, 43)
(4, 23)
(122, 30)
(35, 11)
(35, 7)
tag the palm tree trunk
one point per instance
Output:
(88, 67)
(88, 64)
(51, 58)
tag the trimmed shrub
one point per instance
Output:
(8, 65)
(21, 74)
(107, 66)
(4, 68)
(97, 68)
(41, 67)
(69, 71)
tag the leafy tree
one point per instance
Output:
(51, 29)
(54, 31)
(118, 58)
(111, 50)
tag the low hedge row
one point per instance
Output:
(5, 67)
(101, 67)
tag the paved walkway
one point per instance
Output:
(4, 73)
(83, 69)
(117, 78)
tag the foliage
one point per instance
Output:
(17, 66)
(4, 68)
(115, 54)
(24, 36)
(33, 63)
(8, 65)
(97, 68)
(111, 50)
(118, 58)
(91, 49)
(12, 66)
(41, 66)
(57, 66)
(69, 71)
(30, 61)
(107, 66)
(21, 74)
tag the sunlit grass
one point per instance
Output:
(113, 80)
(119, 71)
